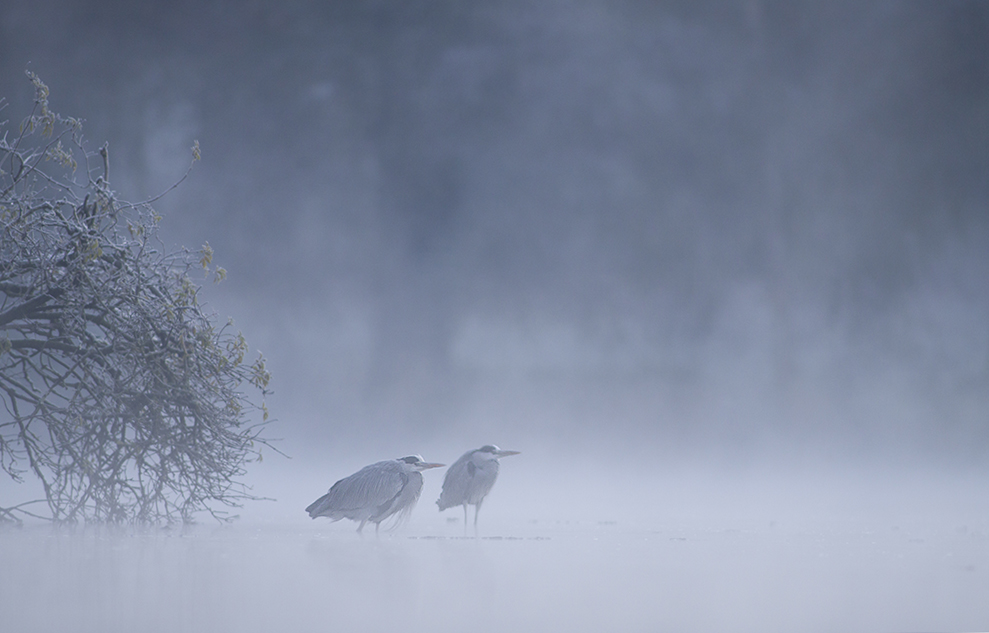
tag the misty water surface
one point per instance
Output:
(744, 553)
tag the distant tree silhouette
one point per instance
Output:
(118, 392)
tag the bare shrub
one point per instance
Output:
(118, 392)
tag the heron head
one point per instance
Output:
(493, 452)
(416, 463)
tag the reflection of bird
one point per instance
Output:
(374, 493)
(470, 479)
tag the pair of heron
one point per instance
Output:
(392, 487)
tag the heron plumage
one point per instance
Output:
(374, 493)
(469, 479)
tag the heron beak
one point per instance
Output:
(506, 453)
(428, 466)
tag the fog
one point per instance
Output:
(719, 271)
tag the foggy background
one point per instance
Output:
(721, 234)
(719, 270)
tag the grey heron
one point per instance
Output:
(374, 493)
(470, 479)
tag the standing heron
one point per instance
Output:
(374, 492)
(470, 479)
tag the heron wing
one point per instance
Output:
(403, 503)
(483, 480)
(457, 482)
(361, 495)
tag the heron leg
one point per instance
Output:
(465, 519)
(361, 526)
